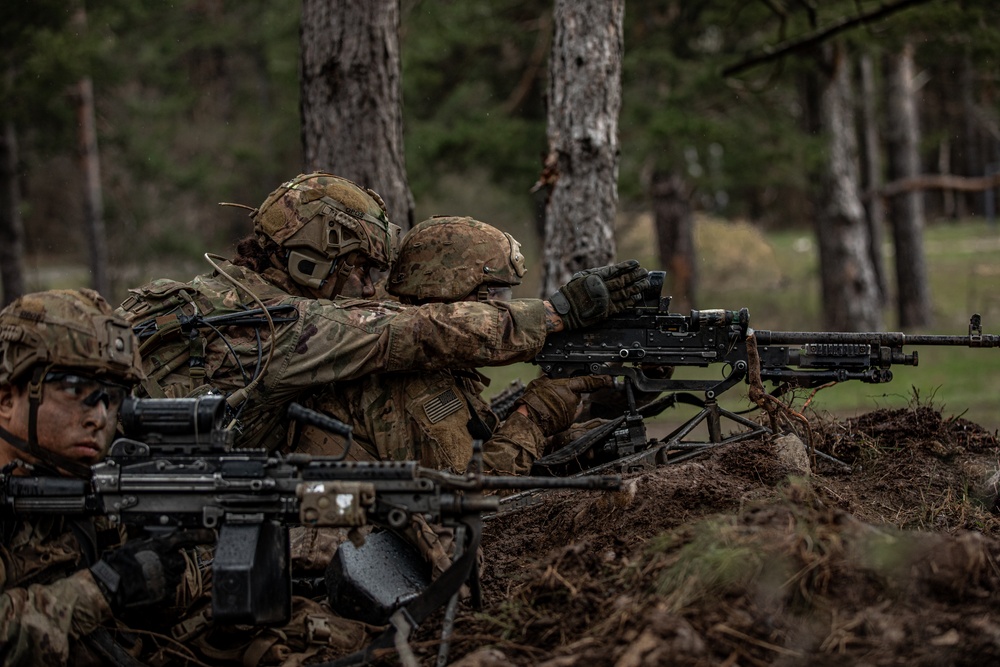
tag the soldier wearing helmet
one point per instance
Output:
(293, 311)
(66, 364)
(447, 259)
(331, 234)
(434, 417)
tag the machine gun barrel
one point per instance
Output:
(811, 358)
(890, 338)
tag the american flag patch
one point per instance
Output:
(442, 405)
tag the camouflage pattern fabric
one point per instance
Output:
(48, 603)
(318, 218)
(422, 417)
(446, 258)
(68, 329)
(330, 341)
(318, 196)
(314, 633)
(312, 549)
(515, 446)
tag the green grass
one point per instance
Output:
(963, 265)
(776, 277)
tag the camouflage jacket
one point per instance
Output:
(49, 600)
(428, 417)
(316, 341)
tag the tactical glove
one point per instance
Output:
(553, 404)
(594, 294)
(145, 572)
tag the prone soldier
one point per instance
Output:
(66, 364)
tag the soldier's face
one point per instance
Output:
(73, 420)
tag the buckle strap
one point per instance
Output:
(191, 626)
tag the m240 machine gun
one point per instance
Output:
(176, 469)
(648, 346)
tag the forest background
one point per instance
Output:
(198, 102)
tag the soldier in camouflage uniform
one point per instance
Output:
(433, 417)
(66, 365)
(265, 329)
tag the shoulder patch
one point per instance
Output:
(442, 405)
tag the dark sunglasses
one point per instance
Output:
(89, 390)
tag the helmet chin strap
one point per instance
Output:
(48, 459)
(344, 269)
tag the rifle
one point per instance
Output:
(175, 468)
(645, 345)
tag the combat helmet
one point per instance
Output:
(74, 329)
(448, 258)
(325, 224)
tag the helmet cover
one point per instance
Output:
(72, 329)
(318, 218)
(448, 257)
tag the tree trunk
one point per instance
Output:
(90, 166)
(850, 293)
(11, 225)
(944, 168)
(352, 107)
(675, 237)
(583, 105)
(93, 201)
(873, 172)
(972, 157)
(906, 211)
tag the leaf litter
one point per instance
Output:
(741, 557)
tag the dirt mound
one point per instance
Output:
(733, 558)
(913, 469)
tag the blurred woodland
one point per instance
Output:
(727, 109)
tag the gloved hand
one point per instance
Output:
(147, 571)
(594, 294)
(553, 404)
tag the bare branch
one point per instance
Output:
(809, 40)
(535, 62)
(936, 182)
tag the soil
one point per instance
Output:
(880, 547)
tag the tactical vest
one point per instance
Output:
(178, 325)
(155, 311)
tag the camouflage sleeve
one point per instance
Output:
(466, 335)
(514, 446)
(38, 622)
(352, 339)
